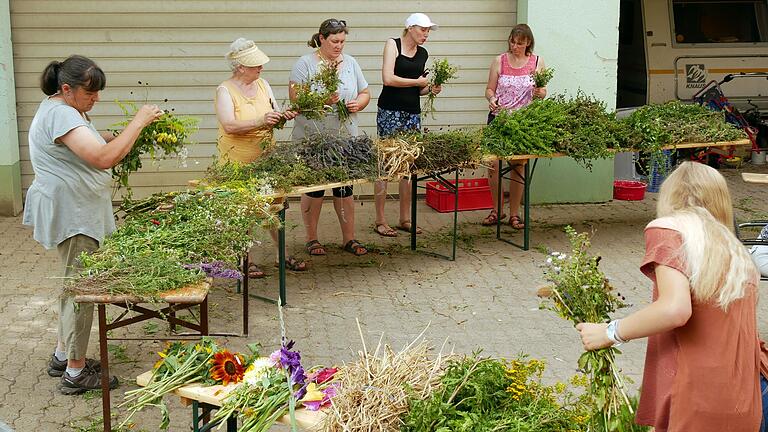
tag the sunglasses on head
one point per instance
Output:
(334, 23)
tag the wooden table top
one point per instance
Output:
(190, 294)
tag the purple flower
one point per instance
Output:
(216, 269)
(291, 361)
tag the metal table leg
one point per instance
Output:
(526, 178)
(454, 189)
(281, 264)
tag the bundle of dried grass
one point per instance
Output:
(397, 155)
(374, 391)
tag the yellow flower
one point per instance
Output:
(313, 394)
(162, 354)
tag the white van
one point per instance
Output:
(670, 49)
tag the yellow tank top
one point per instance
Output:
(246, 147)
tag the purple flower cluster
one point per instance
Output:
(216, 269)
(291, 361)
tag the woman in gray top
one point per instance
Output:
(353, 90)
(69, 203)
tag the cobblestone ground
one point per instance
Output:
(485, 299)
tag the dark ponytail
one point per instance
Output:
(49, 81)
(314, 42)
(77, 71)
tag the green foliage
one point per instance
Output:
(532, 130)
(168, 135)
(542, 77)
(484, 394)
(444, 150)
(442, 72)
(147, 255)
(674, 122)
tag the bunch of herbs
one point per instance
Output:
(542, 77)
(168, 135)
(442, 72)
(581, 294)
(448, 149)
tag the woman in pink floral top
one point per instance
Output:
(510, 87)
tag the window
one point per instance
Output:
(720, 21)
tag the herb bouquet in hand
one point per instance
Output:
(542, 77)
(167, 135)
(581, 294)
(442, 72)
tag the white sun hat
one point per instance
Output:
(248, 55)
(421, 20)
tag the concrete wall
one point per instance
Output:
(579, 39)
(10, 173)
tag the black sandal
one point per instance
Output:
(355, 248)
(314, 248)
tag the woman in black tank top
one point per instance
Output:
(400, 106)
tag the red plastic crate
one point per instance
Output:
(474, 194)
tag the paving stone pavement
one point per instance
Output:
(485, 299)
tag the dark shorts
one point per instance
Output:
(491, 116)
(764, 393)
(339, 192)
(389, 122)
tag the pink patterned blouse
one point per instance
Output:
(514, 88)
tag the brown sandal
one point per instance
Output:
(406, 226)
(385, 230)
(492, 218)
(254, 272)
(355, 248)
(314, 248)
(515, 222)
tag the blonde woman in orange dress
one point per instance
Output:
(705, 365)
(246, 113)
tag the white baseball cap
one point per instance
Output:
(421, 20)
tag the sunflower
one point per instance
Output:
(227, 367)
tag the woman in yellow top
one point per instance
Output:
(246, 114)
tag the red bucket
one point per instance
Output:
(628, 190)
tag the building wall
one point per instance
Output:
(177, 48)
(10, 168)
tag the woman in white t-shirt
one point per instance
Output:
(353, 90)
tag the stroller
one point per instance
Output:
(712, 96)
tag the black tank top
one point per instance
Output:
(405, 98)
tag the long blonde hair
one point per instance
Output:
(696, 196)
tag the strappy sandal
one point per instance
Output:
(492, 218)
(355, 248)
(314, 248)
(385, 230)
(254, 272)
(406, 226)
(516, 223)
(294, 264)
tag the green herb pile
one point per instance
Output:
(589, 130)
(484, 394)
(532, 130)
(450, 149)
(581, 293)
(675, 122)
(542, 77)
(442, 72)
(165, 239)
(166, 136)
